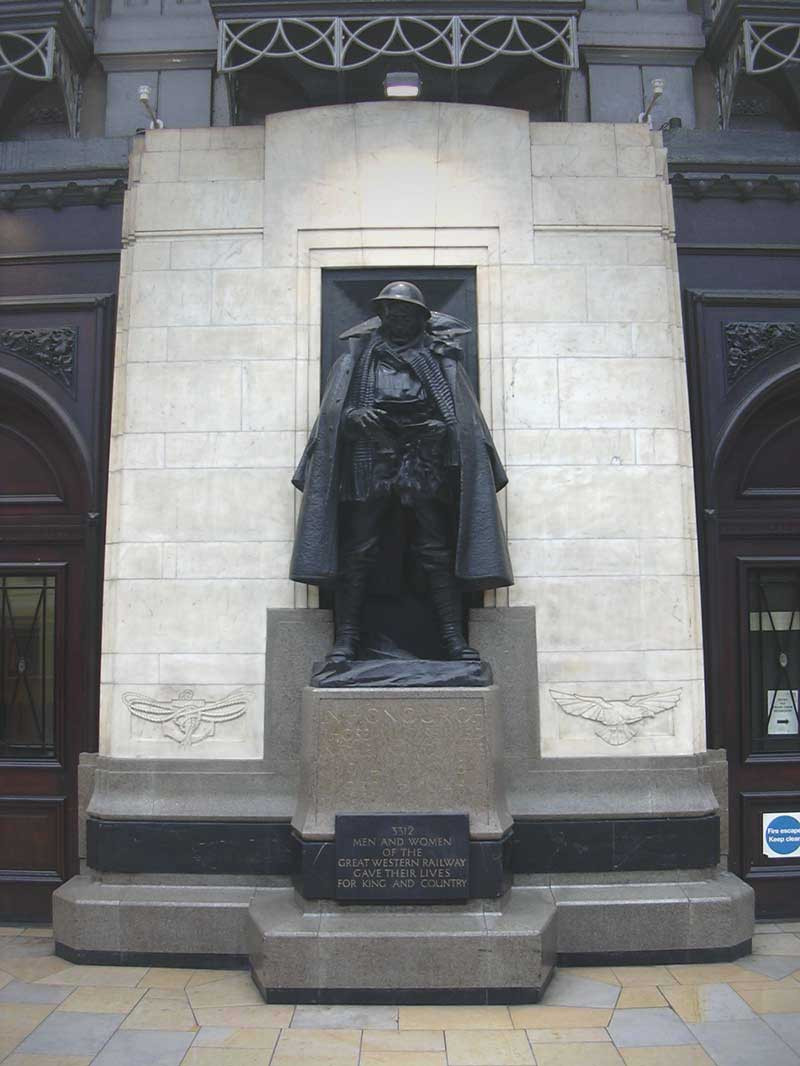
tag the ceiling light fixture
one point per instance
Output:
(402, 85)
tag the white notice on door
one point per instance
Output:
(782, 711)
(781, 834)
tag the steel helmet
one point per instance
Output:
(404, 292)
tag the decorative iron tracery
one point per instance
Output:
(757, 47)
(39, 55)
(30, 54)
(448, 42)
(768, 46)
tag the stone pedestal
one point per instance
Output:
(400, 750)
(403, 751)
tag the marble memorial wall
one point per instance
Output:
(582, 380)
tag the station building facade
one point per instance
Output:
(608, 191)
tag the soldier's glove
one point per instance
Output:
(362, 420)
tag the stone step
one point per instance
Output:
(188, 924)
(197, 924)
(684, 921)
(305, 951)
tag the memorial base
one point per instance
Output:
(381, 750)
(304, 951)
(622, 919)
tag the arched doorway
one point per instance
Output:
(754, 586)
(44, 708)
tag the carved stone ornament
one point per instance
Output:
(51, 350)
(186, 719)
(618, 720)
(750, 343)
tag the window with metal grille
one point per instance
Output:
(27, 691)
(774, 658)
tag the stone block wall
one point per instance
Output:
(200, 509)
(569, 229)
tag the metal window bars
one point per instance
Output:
(774, 625)
(27, 685)
(457, 42)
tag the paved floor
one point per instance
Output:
(732, 1014)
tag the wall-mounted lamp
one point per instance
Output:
(144, 93)
(402, 85)
(657, 90)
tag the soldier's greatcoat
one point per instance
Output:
(481, 555)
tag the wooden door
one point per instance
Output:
(756, 586)
(43, 692)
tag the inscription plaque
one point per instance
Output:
(402, 856)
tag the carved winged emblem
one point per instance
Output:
(617, 719)
(186, 719)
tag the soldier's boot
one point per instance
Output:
(350, 596)
(446, 599)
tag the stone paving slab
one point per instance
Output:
(742, 1043)
(53, 1013)
(787, 1026)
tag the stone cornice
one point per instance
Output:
(657, 55)
(735, 186)
(255, 9)
(57, 194)
(734, 164)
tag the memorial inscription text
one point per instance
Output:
(402, 856)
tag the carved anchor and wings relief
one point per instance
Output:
(187, 719)
(618, 720)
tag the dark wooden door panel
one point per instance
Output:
(58, 277)
(31, 901)
(758, 685)
(28, 475)
(753, 568)
(32, 837)
(775, 880)
(42, 700)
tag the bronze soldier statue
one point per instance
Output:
(399, 425)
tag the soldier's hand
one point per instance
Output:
(363, 419)
(433, 427)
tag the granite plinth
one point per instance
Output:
(195, 922)
(675, 921)
(400, 750)
(166, 924)
(312, 952)
(400, 673)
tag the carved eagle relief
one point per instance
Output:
(617, 719)
(187, 720)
